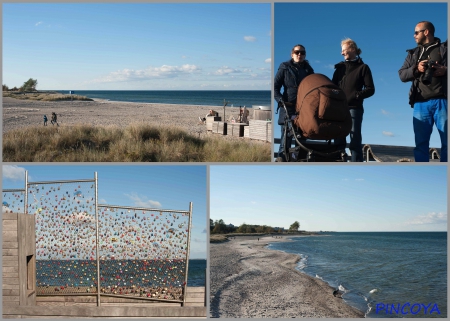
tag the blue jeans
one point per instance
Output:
(426, 114)
(355, 135)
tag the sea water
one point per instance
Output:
(235, 98)
(379, 270)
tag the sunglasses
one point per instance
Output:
(301, 52)
(419, 31)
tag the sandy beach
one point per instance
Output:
(23, 113)
(250, 281)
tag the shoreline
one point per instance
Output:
(248, 280)
(25, 113)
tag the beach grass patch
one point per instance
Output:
(134, 143)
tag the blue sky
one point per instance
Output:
(333, 198)
(132, 46)
(383, 31)
(165, 187)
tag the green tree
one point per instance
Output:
(5, 88)
(219, 227)
(294, 226)
(30, 85)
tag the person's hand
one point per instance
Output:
(440, 70)
(422, 66)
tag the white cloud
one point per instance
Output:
(430, 218)
(385, 112)
(329, 66)
(359, 179)
(249, 38)
(164, 71)
(142, 201)
(268, 60)
(225, 70)
(13, 172)
(38, 23)
(389, 134)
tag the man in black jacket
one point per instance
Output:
(289, 75)
(355, 79)
(428, 98)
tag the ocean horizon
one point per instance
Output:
(379, 273)
(235, 98)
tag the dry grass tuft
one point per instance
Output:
(44, 96)
(135, 143)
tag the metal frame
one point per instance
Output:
(95, 180)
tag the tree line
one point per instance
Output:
(219, 227)
(29, 85)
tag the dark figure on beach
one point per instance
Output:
(337, 293)
(54, 119)
(45, 120)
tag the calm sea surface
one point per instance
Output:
(379, 268)
(234, 98)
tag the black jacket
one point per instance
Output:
(409, 72)
(355, 79)
(289, 76)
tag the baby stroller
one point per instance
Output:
(322, 115)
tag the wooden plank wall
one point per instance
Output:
(86, 306)
(10, 260)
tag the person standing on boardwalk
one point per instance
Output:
(426, 67)
(45, 120)
(289, 75)
(355, 79)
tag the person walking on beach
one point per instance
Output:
(426, 67)
(45, 120)
(54, 119)
(289, 75)
(354, 77)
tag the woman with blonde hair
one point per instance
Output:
(355, 79)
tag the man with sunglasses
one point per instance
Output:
(355, 79)
(428, 98)
(289, 75)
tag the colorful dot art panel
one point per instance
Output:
(65, 220)
(145, 248)
(13, 202)
(142, 253)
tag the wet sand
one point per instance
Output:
(250, 281)
(23, 113)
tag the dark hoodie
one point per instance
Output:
(355, 79)
(289, 76)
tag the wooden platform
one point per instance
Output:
(388, 153)
(86, 306)
(385, 153)
(219, 127)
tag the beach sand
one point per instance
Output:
(250, 281)
(23, 113)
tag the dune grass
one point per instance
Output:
(135, 143)
(45, 96)
(217, 238)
